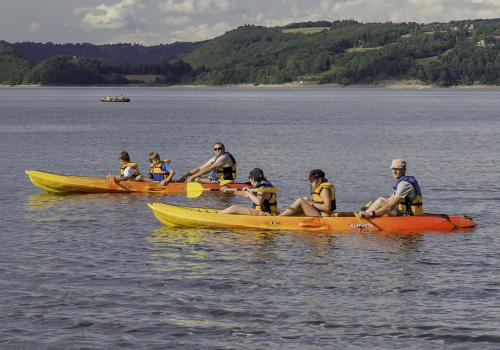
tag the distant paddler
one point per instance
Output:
(322, 201)
(406, 196)
(262, 194)
(160, 171)
(222, 167)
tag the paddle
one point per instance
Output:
(112, 179)
(361, 221)
(195, 189)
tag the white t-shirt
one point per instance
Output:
(129, 172)
(404, 189)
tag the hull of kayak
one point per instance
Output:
(65, 184)
(173, 215)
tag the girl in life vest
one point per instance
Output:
(322, 201)
(262, 194)
(129, 170)
(160, 170)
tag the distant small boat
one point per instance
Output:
(110, 98)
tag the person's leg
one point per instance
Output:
(205, 180)
(379, 203)
(239, 210)
(301, 206)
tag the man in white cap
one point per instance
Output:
(406, 197)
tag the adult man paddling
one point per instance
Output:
(222, 167)
(406, 197)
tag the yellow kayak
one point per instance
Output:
(174, 215)
(65, 184)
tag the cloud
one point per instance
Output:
(122, 15)
(35, 28)
(176, 21)
(192, 7)
(200, 32)
(410, 10)
(140, 36)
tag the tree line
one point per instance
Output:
(347, 52)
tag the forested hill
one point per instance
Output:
(112, 53)
(343, 52)
(347, 52)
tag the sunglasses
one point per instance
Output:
(217, 149)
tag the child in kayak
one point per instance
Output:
(322, 201)
(160, 171)
(128, 171)
(261, 194)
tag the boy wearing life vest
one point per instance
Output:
(222, 167)
(322, 201)
(160, 170)
(128, 170)
(406, 196)
(262, 194)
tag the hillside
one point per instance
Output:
(113, 53)
(13, 67)
(342, 52)
(348, 52)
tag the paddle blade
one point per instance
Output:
(194, 189)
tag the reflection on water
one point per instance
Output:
(103, 267)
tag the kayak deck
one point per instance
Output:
(174, 215)
(65, 184)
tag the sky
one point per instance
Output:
(152, 22)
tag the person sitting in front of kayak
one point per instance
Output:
(322, 201)
(406, 196)
(160, 170)
(128, 170)
(222, 167)
(261, 194)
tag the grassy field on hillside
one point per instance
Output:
(310, 30)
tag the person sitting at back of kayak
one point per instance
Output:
(322, 201)
(128, 170)
(406, 197)
(222, 166)
(160, 170)
(264, 201)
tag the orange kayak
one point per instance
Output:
(174, 215)
(65, 184)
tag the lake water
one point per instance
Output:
(99, 272)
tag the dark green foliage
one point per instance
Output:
(12, 65)
(344, 52)
(72, 70)
(112, 53)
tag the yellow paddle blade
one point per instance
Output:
(194, 189)
(356, 214)
(225, 182)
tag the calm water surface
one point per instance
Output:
(99, 272)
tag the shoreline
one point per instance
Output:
(383, 84)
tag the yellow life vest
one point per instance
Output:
(130, 164)
(411, 207)
(156, 171)
(268, 205)
(316, 195)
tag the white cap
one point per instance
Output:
(398, 164)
